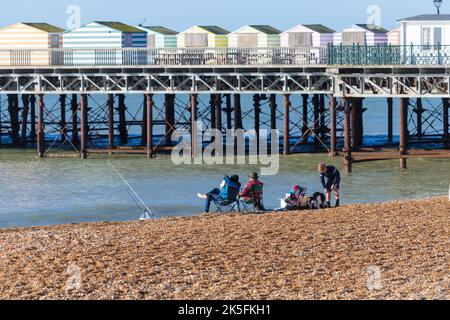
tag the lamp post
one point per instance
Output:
(438, 5)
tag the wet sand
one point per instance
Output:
(397, 250)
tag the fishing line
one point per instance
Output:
(146, 213)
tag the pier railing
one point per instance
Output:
(301, 56)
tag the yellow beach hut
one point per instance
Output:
(203, 37)
(28, 44)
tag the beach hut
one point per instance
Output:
(106, 37)
(310, 35)
(28, 44)
(160, 37)
(425, 30)
(203, 37)
(255, 36)
(394, 37)
(362, 34)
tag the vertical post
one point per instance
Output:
(322, 117)
(333, 126)
(286, 140)
(122, 120)
(219, 112)
(213, 106)
(403, 130)
(273, 111)
(305, 117)
(110, 121)
(237, 112)
(347, 137)
(316, 104)
(144, 122)
(40, 133)
(33, 118)
(257, 110)
(229, 110)
(75, 140)
(149, 126)
(390, 103)
(419, 112)
(25, 109)
(356, 123)
(62, 102)
(194, 104)
(13, 108)
(84, 126)
(445, 106)
(170, 117)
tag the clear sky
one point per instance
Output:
(230, 14)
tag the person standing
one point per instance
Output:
(330, 177)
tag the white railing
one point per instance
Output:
(165, 57)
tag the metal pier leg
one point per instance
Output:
(144, 122)
(149, 126)
(62, 102)
(169, 117)
(403, 130)
(25, 109)
(229, 111)
(110, 121)
(84, 126)
(122, 120)
(445, 106)
(347, 135)
(237, 112)
(194, 105)
(390, 103)
(273, 111)
(33, 118)
(41, 133)
(219, 112)
(316, 104)
(13, 108)
(323, 132)
(357, 125)
(287, 105)
(419, 113)
(305, 118)
(257, 110)
(74, 104)
(333, 127)
(213, 106)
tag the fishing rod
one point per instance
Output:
(146, 213)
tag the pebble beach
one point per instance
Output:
(395, 250)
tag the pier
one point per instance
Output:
(317, 93)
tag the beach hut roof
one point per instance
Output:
(44, 27)
(265, 29)
(161, 30)
(373, 28)
(428, 17)
(122, 27)
(319, 28)
(215, 30)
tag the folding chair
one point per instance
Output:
(228, 205)
(255, 203)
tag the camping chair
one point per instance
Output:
(228, 205)
(252, 204)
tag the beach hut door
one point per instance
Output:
(351, 38)
(248, 40)
(196, 40)
(151, 41)
(299, 39)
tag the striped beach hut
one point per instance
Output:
(394, 37)
(203, 37)
(28, 44)
(255, 36)
(362, 34)
(106, 37)
(309, 35)
(160, 37)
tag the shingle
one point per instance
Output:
(44, 27)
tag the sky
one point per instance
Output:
(230, 14)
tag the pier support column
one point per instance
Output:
(62, 124)
(286, 133)
(419, 112)
(84, 126)
(445, 105)
(219, 112)
(257, 110)
(122, 120)
(305, 118)
(403, 131)
(194, 105)
(40, 131)
(74, 105)
(390, 103)
(169, 117)
(323, 131)
(237, 112)
(149, 126)
(25, 109)
(229, 111)
(333, 127)
(357, 123)
(213, 106)
(110, 121)
(316, 104)
(13, 108)
(144, 122)
(33, 118)
(347, 137)
(273, 111)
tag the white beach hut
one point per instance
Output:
(425, 30)
(311, 35)
(362, 34)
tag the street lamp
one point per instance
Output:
(438, 4)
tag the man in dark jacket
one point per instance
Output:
(330, 177)
(228, 191)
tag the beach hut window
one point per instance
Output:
(298, 39)
(196, 40)
(151, 40)
(351, 38)
(247, 40)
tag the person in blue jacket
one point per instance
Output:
(330, 177)
(229, 190)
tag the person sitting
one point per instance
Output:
(229, 188)
(296, 197)
(253, 192)
(330, 177)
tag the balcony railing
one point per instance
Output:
(301, 56)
